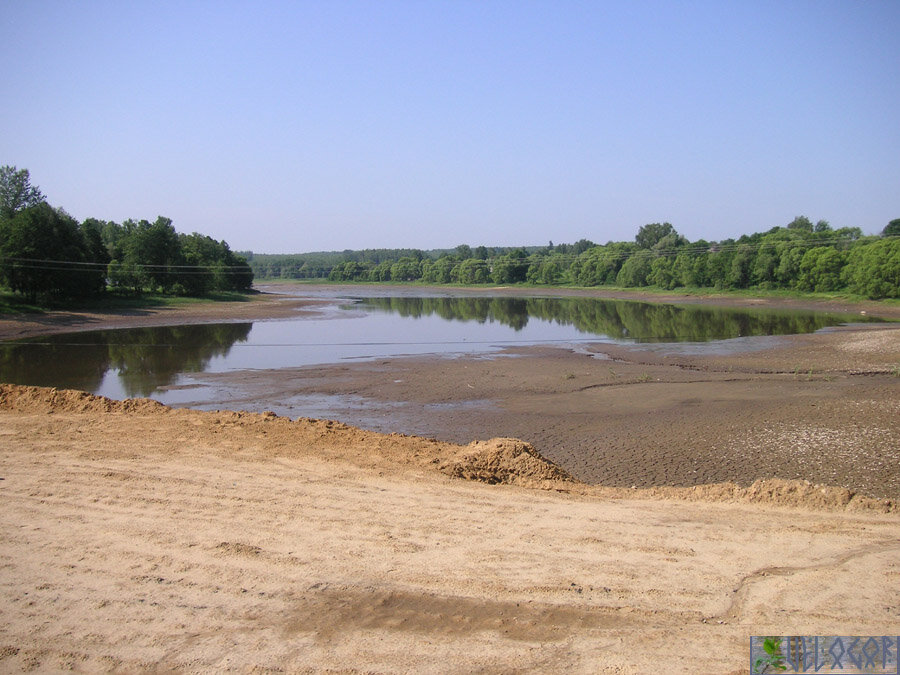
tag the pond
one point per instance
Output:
(157, 362)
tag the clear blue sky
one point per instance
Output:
(305, 126)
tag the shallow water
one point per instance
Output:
(160, 362)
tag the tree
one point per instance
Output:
(662, 273)
(634, 271)
(406, 269)
(600, 265)
(511, 268)
(16, 191)
(873, 269)
(155, 248)
(820, 269)
(43, 254)
(738, 275)
(892, 229)
(582, 245)
(463, 251)
(801, 223)
(473, 271)
(690, 268)
(649, 235)
(91, 232)
(438, 272)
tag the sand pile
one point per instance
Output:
(44, 399)
(504, 460)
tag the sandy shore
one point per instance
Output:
(140, 538)
(136, 537)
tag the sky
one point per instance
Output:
(288, 127)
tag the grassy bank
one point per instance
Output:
(111, 301)
(690, 292)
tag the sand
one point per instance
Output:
(137, 537)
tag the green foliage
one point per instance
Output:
(820, 269)
(511, 268)
(45, 254)
(801, 223)
(473, 271)
(873, 270)
(635, 271)
(892, 229)
(800, 256)
(773, 658)
(662, 273)
(406, 269)
(651, 234)
(153, 257)
(16, 191)
(600, 264)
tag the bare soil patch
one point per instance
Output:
(137, 537)
(822, 407)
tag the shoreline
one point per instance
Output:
(269, 304)
(820, 407)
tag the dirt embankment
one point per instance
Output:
(137, 537)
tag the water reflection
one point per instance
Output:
(144, 359)
(159, 361)
(617, 319)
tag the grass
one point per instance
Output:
(112, 301)
(10, 303)
(687, 291)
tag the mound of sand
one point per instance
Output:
(505, 460)
(44, 399)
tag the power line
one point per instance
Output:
(140, 266)
(604, 253)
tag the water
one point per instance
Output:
(162, 362)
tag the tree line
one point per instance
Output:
(801, 255)
(45, 254)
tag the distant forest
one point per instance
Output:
(47, 255)
(801, 256)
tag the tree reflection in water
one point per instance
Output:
(618, 319)
(145, 358)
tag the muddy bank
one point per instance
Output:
(821, 407)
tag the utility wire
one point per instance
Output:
(605, 253)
